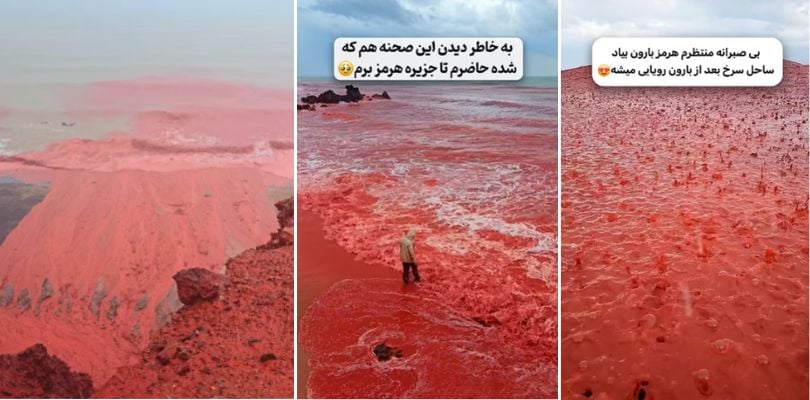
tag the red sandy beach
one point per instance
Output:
(326, 263)
(685, 240)
(191, 184)
(473, 170)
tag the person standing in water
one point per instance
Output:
(407, 257)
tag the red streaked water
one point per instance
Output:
(685, 241)
(473, 169)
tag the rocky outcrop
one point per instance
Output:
(239, 344)
(383, 96)
(384, 352)
(195, 285)
(353, 95)
(286, 219)
(33, 373)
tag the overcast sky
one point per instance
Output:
(89, 40)
(321, 21)
(583, 21)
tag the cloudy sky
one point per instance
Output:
(321, 21)
(585, 20)
(89, 40)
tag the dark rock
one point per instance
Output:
(112, 311)
(353, 94)
(183, 371)
(328, 96)
(34, 373)
(267, 357)
(98, 296)
(157, 346)
(7, 295)
(384, 95)
(182, 354)
(383, 352)
(163, 358)
(286, 219)
(46, 291)
(24, 300)
(142, 303)
(487, 320)
(197, 284)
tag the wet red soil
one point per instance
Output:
(685, 241)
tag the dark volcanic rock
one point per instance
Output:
(328, 96)
(352, 95)
(33, 373)
(384, 352)
(286, 213)
(384, 95)
(286, 219)
(197, 284)
(267, 357)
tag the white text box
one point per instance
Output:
(428, 59)
(715, 61)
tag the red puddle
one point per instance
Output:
(126, 212)
(482, 198)
(685, 241)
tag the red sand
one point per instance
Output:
(126, 212)
(685, 241)
(322, 263)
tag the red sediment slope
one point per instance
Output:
(88, 271)
(685, 240)
(239, 345)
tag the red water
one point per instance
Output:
(685, 241)
(473, 169)
(192, 183)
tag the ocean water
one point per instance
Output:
(473, 169)
(53, 51)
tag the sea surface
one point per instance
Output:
(471, 167)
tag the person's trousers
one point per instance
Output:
(406, 267)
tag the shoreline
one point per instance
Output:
(321, 264)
